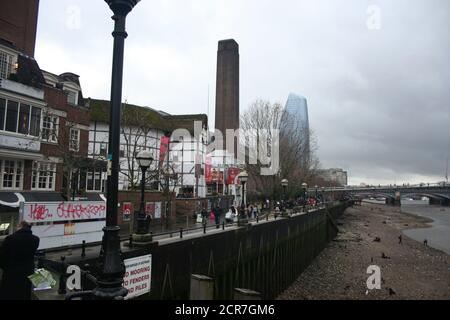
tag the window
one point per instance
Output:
(71, 96)
(43, 176)
(24, 118)
(94, 181)
(49, 128)
(6, 61)
(103, 149)
(12, 174)
(11, 116)
(35, 122)
(2, 113)
(19, 118)
(74, 142)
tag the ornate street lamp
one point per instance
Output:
(111, 266)
(144, 160)
(305, 190)
(243, 177)
(323, 194)
(284, 184)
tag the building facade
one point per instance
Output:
(335, 175)
(296, 110)
(144, 128)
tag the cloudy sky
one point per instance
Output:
(376, 73)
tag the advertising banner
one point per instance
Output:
(208, 171)
(153, 209)
(232, 174)
(138, 275)
(127, 210)
(164, 146)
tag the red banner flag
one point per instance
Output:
(208, 173)
(164, 146)
(232, 174)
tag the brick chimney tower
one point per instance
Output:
(18, 23)
(227, 87)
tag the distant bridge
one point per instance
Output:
(437, 193)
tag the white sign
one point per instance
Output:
(28, 144)
(55, 235)
(138, 275)
(63, 211)
(157, 210)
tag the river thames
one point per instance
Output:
(438, 235)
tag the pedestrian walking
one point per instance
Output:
(204, 214)
(425, 242)
(217, 213)
(400, 239)
(17, 261)
(255, 212)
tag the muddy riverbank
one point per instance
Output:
(409, 270)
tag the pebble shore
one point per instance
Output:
(369, 235)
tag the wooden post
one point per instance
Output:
(202, 287)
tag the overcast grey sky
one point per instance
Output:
(376, 73)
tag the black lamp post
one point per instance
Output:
(304, 189)
(144, 160)
(317, 193)
(243, 177)
(112, 268)
(323, 194)
(284, 184)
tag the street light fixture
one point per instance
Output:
(243, 177)
(284, 184)
(111, 266)
(304, 189)
(323, 194)
(144, 160)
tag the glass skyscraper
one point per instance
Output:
(297, 107)
(297, 113)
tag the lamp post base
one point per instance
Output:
(142, 239)
(242, 222)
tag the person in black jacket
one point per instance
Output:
(217, 212)
(17, 261)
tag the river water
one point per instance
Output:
(438, 236)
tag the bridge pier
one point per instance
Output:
(393, 202)
(439, 202)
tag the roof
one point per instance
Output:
(139, 115)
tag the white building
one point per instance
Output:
(187, 147)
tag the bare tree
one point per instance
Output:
(267, 122)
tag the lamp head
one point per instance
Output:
(243, 176)
(144, 159)
(121, 6)
(284, 182)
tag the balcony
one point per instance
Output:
(11, 75)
